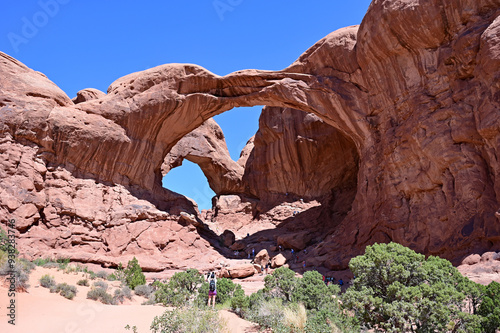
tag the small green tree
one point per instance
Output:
(398, 290)
(133, 274)
(490, 308)
(281, 283)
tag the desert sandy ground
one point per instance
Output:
(39, 311)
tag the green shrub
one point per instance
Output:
(65, 290)
(392, 279)
(111, 277)
(281, 283)
(127, 293)
(188, 280)
(99, 294)
(188, 320)
(490, 308)
(83, 282)
(62, 263)
(41, 261)
(143, 290)
(179, 289)
(312, 291)
(133, 274)
(120, 294)
(47, 281)
(101, 284)
(330, 318)
(240, 302)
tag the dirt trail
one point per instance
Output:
(237, 325)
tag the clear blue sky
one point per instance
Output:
(82, 44)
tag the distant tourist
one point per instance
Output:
(253, 253)
(304, 265)
(212, 289)
(268, 265)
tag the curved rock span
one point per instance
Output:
(412, 93)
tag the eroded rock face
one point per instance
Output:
(414, 90)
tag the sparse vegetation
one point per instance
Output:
(188, 320)
(20, 269)
(83, 282)
(143, 290)
(102, 275)
(101, 284)
(65, 290)
(47, 281)
(100, 294)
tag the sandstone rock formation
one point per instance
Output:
(206, 147)
(412, 94)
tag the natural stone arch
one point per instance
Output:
(415, 88)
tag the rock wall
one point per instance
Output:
(414, 89)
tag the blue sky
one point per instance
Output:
(89, 44)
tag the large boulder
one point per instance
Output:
(239, 271)
(261, 258)
(278, 260)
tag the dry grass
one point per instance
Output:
(295, 317)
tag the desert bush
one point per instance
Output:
(101, 284)
(100, 294)
(391, 280)
(83, 282)
(151, 300)
(65, 290)
(50, 265)
(133, 274)
(102, 275)
(120, 294)
(143, 290)
(47, 281)
(111, 277)
(127, 292)
(62, 263)
(188, 320)
(19, 271)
